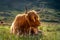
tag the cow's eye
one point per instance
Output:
(35, 18)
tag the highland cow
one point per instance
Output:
(25, 23)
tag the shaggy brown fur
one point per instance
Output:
(25, 23)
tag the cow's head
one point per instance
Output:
(33, 18)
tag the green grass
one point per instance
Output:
(51, 31)
(6, 35)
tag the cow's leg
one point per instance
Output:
(34, 30)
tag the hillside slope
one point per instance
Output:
(10, 8)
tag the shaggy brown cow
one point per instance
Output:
(25, 23)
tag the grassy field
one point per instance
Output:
(51, 31)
